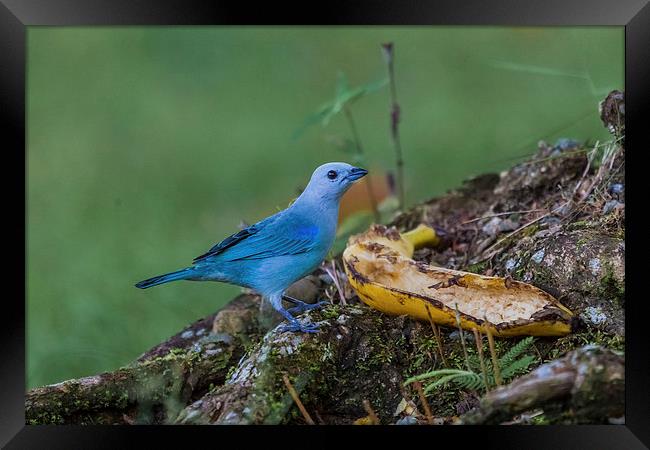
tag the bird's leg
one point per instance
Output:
(294, 325)
(302, 306)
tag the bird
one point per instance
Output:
(272, 254)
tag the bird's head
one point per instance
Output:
(331, 180)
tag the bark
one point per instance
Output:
(159, 383)
(358, 355)
(587, 386)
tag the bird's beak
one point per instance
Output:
(356, 173)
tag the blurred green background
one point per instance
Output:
(148, 145)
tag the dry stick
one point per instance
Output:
(590, 157)
(319, 418)
(394, 122)
(335, 278)
(493, 353)
(357, 143)
(612, 173)
(562, 155)
(436, 332)
(462, 338)
(523, 227)
(507, 213)
(479, 347)
(526, 225)
(469, 247)
(296, 399)
(425, 404)
(599, 175)
(371, 412)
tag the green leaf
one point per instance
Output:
(341, 84)
(311, 120)
(343, 96)
(352, 95)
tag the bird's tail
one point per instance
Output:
(182, 274)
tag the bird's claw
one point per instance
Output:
(302, 307)
(297, 326)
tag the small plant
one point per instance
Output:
(511, 364)
(394, 121)
(344, 97)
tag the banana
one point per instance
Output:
(381, 270)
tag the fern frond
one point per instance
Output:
(518, 366)
(434, 373)
(443, 380)
(515, 351)
(470, 381)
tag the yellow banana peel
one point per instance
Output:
(381, 270)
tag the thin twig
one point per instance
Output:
(423, 400)
(334, 275)
(462, 339)
(479, 347)
(319, 418)
(590, 159)
(436, 332)
(562, 155)
(371, 412)
(394, 122)
(357, 143)
(469, 247)
(507, 213)
(296, 399)
(495, 361)
(607, 161)
(526, 225)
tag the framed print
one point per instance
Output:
(346, 215)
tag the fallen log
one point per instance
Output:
(587, 386)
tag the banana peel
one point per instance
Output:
(381, 270)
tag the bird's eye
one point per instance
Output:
(332, 175)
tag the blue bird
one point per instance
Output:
(272, 254)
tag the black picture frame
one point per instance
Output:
(16, 15)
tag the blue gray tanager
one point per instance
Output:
(272, 254)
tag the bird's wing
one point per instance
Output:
(270, 237)
(228, 242)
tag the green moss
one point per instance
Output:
(544, 277)
(530, 230)
(579, 224)
(423, 357)
(581, 242)
(610, 287)
(478, 268)
(540, 420)
(561, 346)
(330, 312)
(46, 418)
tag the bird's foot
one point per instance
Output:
(294, 326)
(302, 306)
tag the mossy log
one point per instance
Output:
(158, 384)
(358, 355)
(556, 221)
(585, 386)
